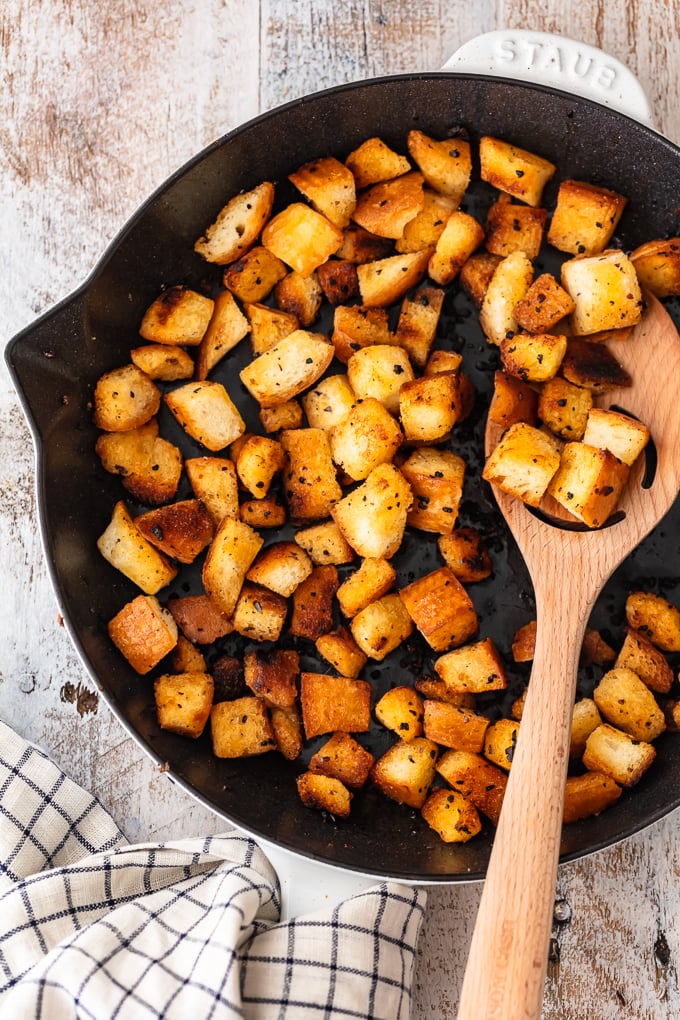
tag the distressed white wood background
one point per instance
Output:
(99, 102)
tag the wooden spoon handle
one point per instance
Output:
(507, 963)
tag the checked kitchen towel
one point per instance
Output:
(91, 927)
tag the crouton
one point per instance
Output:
(417, 324)
(373, 516)
(452, 816)
(375, 161)
(461, 236)
(281, 567)
(241, 728)
(263, 513)
(144, 632)
(445, 164)
(473, 667)
(657, 264)
(187, 658)
(480, 782)
(588, 483)
(428, 407)
(231, 553)
(124, 546)
(334, 703)
(237, 226)
(651, 665)
(355, 326)
(359, 245)
(380, 371)
(259, 459)
(328, 401)
(605, 290)
(587, 795)
(476, 275)
(510, 227)
(287, 368)
(329, 186)
(441, 609)
(373, 579)
(300, 295)
(183, 702)
(622, 757)
(381, 627)
(544, 305)
(342, 757)
(313, 603)
(339, 648)
(385, 208)
(622, 435)
(401, 709)
(564, 407)
(436, 480)
(207, 413)
(301, 237)
(627, 703)
(426, 227)
(125, 398)
(387, 280)
(514, 170)
(585, 718)
(180, 530)
(508, 285)
(179, 316)
(199, 619)
(656, 617)
(533, 357)
(324, 543)
(213, 480)
(324, 793)
(405, 771)
(268, 325)
(463, 550)
(367, 436)
(523, 463)
(287, 727)
(287, 415)
(593, 366)
(158, 361)
(500, 741)
(311, 488)
(585, 217)
(453, 726)
(513, 400)
(338, 280)
(273, 676)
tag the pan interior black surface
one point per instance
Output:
(56, 363)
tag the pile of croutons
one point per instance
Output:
(356, 445)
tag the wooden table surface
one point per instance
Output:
(100, 101)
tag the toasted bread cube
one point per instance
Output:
(441, 361)
(585, 718)
(500, 741)
(355, 327)
(373, 579)
(258, 460)
(436, 690)
(461, 236)
(508, 285)
(523, 463)
(406, 771)
(342, 757)
(381, 627)
(301, 237)
(626, 702)
(338, 280)
(445, 164)
(158, 361)
(512, 401)
(511, 227)
(417, 325)
(334, 703)
(453, 726)
(436, 479)
(144, 632)
(592, 366)
(373, 516)
(605, 291)
(425, 229)
(129, 452)
(564, 407)
(463, 550)
(254, 275)
(622, 435)
(367, 436)
(179, 316)
(476, 668)
(199, 619)
(595, 649)
(361, 245)
(657, 264)
(585, 217)
(227, 327)
(379, 371)
(330, 188)
(300, 295)
(207, 413)
(260, 613)
(401, 709)
(453, 817)
(533, 357)
(386, 280)
(180, 530)
(428, 407)
(587, 795)
(268, 325)
(284, 416)
(374, 161)
(213, 480)
(159, 480)
(237, 226)
(588, 483)
(476, 275)
(186, 658)
(124, 399)
(327, 403)
(339, 648)
(124, 546)
(287, 368)
(476, 779)
(227, 672)
(183, 702)
(656, 617)
(287, 727)
(281, 567)
(324, 543)
(385, 208)
(524, 642)
(441, 609)
(231, 553)
(617, 754)
(313, 603)
(310, 483)
(263, 513)
(241, 728)
(651, 665)
(544, 305)
(324, 793)
(273, 676)
(514, 170)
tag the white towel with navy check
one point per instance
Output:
(91, 927)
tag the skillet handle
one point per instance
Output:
(555, 60)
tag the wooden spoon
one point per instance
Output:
(506, 968)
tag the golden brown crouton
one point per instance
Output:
(461, 236)
(453, 817)
(587, 795)
(417, 324)
(328, 401)
(453, 726)
(183, 702)
(324, 793)
(213, 480)
(179, 316)
(385, 208)
(379, 371)
(564, 407)
(436, 479)
(287, 727)
(281, 567)
(259, 613)
(144, 632)
(585, 217)
(476, 274)
(588, 483)
(338, 280)
(624, 436)
(313, 603)
(268, 325)
(228, 325)
(254, 275)
(544, 305)
(334, 703)
(361, 245)
(508, 285)
(286, 369)
(512, 401)
(124, 546)
(375, 161)
(510, 227)
(263, 513)
(237, 226)
(441, 609)
(387, 280)
(324, 543)
(287, 415)
(207, 413)
(657, 264)
(500, 742)
(401, 709)
(159, 361)
(585, 718)
(339, 648)
(301, 237)
(355, 327)
(463, 550)
(446, 164)
(367, 436)
(381, 627)
(330, 188)
(618, 755)
(426, 227)
(482, 783)
(651, 665)
(428, 407)
(605, 291)
(300, 295)
(373, 516)
(180, 530)
(231, 553)
(373, 579)
(342, 757)
(310, 483)
(656, 617)
(241, 728)
(406, 771)
(533, 357)
(186, 658)
(125, 398)
(476, 668)
(258, 460)
(523, 463)
(273, 676)
(199, 619)
(514, 170)
(593, 366)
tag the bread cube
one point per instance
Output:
(428, 407)
(178, 316)
(585, 217)
(183, 702)
(361, 245)
(622, 435)
(476, 275)
(375, 161)
(401, 709)
(330, 188)
(301, 237)
(186, 658)
(441, 609)
(180, 530)
(510, 227)
(367, 436)
(588, 483)
(651, 665)
(207, 413)
(386, 280)
(476, 668)
(300, 295)
(355, 327)
(512, 401)
(287, 368)
(523, 463)
(125, 398)
(508, 285)
(657, 264)
(129, 452)
(324, 793)
(595, 649)
(281, 567)
(381, 627)
(417, 324)
(158, 361)
(564, 407)
(426, 227)
(273, 676)
(339, 648)
(342, 757)
(237, 226)
(324, 543)
(524, 643)
(476, 779)
(287, 727)
(268, 325)
(231, 553)
(544, 305)
(334, 703)
(228, 325)
(445, 164)
(533, 357)
(461, 236)
(227, 672)
(158, 480)
(385, 208)
(372, 517)
(260, 613)
(605, 290)
(310, 482)
(436, 690)
(124, 546)
(263, 513)
(259, 459)
(406, 770)
(436, 479)
(253, 276)
(656, 617)
(585, 718)
(373, 579)
(587, 795)
(213, 480)
(452, 816)
(313, 603)
(513, 170)
(500, 741)
(327, 402)
(241, 728)
(622, 757)
(338, 280)
(463, 550)
(453, 726)
(144, 632)
(380, 371)
(592, 366)
(287, 415)
(199, 619)
(626, 702)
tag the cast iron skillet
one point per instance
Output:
(56, 362)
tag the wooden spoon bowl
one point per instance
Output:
(507, 963)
